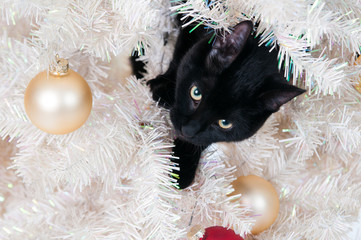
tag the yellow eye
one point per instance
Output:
(195, 93)
(223, 123)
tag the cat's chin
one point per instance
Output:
(180, 136)
(193, 141)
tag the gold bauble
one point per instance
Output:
(262, 198)
(58, 102)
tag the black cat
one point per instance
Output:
(218, 91)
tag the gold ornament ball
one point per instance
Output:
(58, 103)
(261, 196)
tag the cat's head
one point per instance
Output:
(226, 90)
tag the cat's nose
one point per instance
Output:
(191, 128)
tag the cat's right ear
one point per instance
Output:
(225, 49)
(275, 93)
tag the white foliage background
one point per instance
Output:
(109, 179)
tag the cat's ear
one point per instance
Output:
(226, 49)
(276, 94)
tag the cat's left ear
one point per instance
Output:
(225, 49)
(276, 94)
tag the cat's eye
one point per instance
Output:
(223, 123)
(195, 93)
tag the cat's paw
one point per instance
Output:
(183, 182)
(163, 90)
(188, 155)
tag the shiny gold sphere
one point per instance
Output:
(261, 196)
(58, 103)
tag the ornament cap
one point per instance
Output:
(196, 233)
(61, 66)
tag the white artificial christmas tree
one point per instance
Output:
(110, 178)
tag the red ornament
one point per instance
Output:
(220, 233)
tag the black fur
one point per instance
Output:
(137, 66)
(239, 82)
